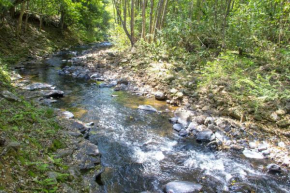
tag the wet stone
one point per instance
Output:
(37, 86)
(183, 133)
(204, 136)
(147, 108)
(173, 120)
(53, 94)
(178, 127)
(182, 187)
(274, 168)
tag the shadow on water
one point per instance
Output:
(140, 151)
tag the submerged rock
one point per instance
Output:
(252, 154)
(147, 108)
(182, 187)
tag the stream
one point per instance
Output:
(140, 150)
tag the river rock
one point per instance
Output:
(173, 120)
(200, 119)
(183, 122)
(263, 147)
(182, 187)
(274, 168)
(120, 87)
(10, 96)
(183, 133)
(147, 108)
(67, 115)
(192, 126)
(204, 136)
(160, 96)
(209, 121)
(123, 81)
(253, 145)
(87, 156)
(54, 94)
(37, 86)
(178, 127)
(252, 154)
(281, 144)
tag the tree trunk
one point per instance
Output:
(132, 22)
(151, 20)
(227, 12)
(27, 16)
(164, 14)
(143, 19)
(19, 25)
(158, 18)
(123, 22)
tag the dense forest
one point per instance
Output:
(85, 78)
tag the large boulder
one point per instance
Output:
(182, 187)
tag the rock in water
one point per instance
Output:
(37, 86)
(147, 108)
(182, 187)
(252, 154)
(274, 168)
(160, 96)
(204, 136)
(54, 94)
(178, 127)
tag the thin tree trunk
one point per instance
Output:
(20, 18)
(151, 20)
(27, 16)
(164, 14)
(132, 22)
(143, 19)
(158, 18)
(41, 15)
(228, 9)
(123, 23)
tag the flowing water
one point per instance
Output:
(140, 150)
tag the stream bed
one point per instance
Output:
(140, 150)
